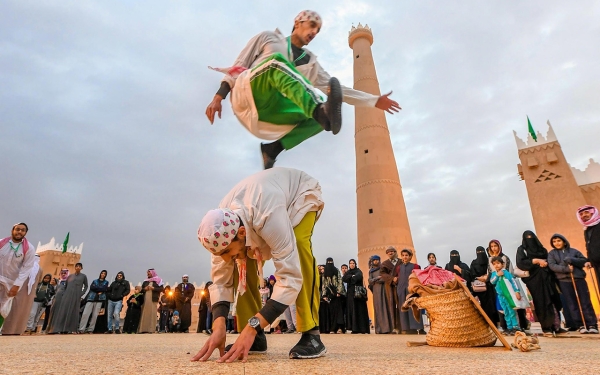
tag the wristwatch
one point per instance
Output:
(254, 322)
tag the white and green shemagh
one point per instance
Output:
(283, 96)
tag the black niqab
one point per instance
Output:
(330, 270)
(454, 258)
(479, 266)
(533, 246)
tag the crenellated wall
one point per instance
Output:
(556, 190)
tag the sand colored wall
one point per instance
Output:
(381, 213)
(52, 262)
(591, 193)
(555, 194)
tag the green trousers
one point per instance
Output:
(283, 96)
(307, 302)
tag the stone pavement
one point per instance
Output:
(158, 354)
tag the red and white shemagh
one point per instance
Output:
(217, 229)
(595, 216)
(309, 15)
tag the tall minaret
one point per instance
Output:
(381, 216)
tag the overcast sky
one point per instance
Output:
(104, 134)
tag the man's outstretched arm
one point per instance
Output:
(356, 97)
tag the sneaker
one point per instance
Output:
(583, 331)
(289, 331)
(593, 330)
(259, 346)
(333, 107)
(329, 114)
(118, 331)
(108, 332)
(309, 346)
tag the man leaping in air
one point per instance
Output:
(275, 96)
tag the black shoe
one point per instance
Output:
(259, 346)
(333, 107)
(329, 114)
(269, 153)
(108, 332)
(561, 331)
(118, 331)
(290, 331)
(309, 346)
(208, 332)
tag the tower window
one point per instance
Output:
(370, 210)
(366, 151)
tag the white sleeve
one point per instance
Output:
(222, 276)
(28, 262)
(353, 97)
(248, 55)
(278, 233)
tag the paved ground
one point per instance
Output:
(159, 354)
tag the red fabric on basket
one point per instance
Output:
(435, 276)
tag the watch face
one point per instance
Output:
(254, 322)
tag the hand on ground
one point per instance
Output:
(216, 341)
(241, 347)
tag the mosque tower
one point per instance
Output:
(382, 219)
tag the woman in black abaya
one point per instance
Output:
(458, 267)
(533, 257)
(487, 298)
(358, 314)
(333, 290)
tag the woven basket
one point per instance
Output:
(455, 321)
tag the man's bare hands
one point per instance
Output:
(13, 291)
(214, 107)
(385, 104)
(241, 347)
(216, 341)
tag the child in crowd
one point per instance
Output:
(567, 264)
(175, 322)
(134, 311)
(508, 291)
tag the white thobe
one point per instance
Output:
(14, 267)
(270, 203)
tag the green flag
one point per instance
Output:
(531, 131)
(66, 243)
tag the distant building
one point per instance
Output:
(556, 190)
(52, 259)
